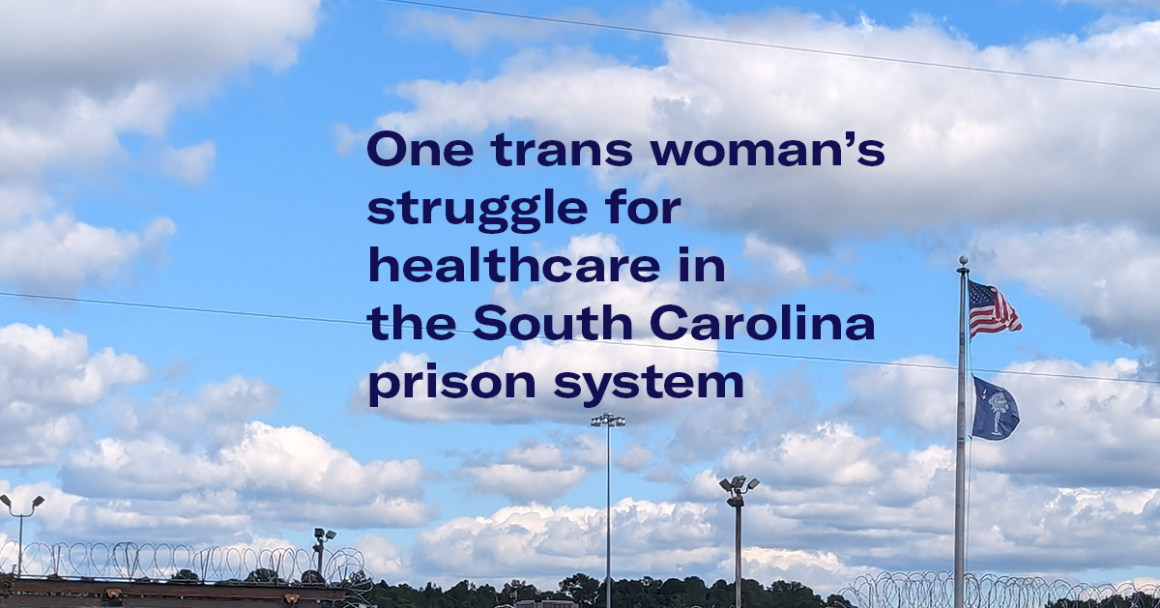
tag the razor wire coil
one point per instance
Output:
(936, 590)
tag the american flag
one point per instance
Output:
(990, 312)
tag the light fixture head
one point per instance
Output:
(4, 499)
(739, 481)
(753, 483)
(725, 485)
(620, 421)
(597, 421)
(318, 532)
(330, 535)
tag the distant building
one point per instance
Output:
(545, 604)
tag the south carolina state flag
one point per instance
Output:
(996, 414)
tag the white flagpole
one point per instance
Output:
(961, 441)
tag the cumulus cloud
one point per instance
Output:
(212, 416)
(1102, 273)
(60, 256)
(634, 458)
(1082, 425)
(384, 559)
(232, 554)
(470, 34)
(770, 405)
(179, 467)
(189, 164)
(271, 474)
(777, 269)
(549, 544)
(83, 74)
(910, 398)
(533, 471)
(46, 381)
(823, 569)
(679, 539)
(1078, 432)
(986, 149)
(1076, 470)
(522, 483)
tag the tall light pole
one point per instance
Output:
(322, 536)
(736, 487)
(608, 420)
(36, 502)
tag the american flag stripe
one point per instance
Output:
(990, 311)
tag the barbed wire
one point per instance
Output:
(183, 563)
(936, 590)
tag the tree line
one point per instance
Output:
(588, 592)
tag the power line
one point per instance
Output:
(770, 45)
(215, 311)
(717, 351)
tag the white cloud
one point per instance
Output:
(1078, 432)
(100, 44)
(61, 256)
(271, 476)
(18, 200)
(777, 269)
(344, 138)
(470, 34)
(706, 432)
(986, 149)
(542, 543)
(1075, 431)
(531, 471)
(212, 417)
(384, 560)
(178, 467)
(524, 484)
(823, 570)
(1104, 274)
(634, 458)
(45, 382)
(1070, 490)
(545, 545)
(910, 398)
(79, 76)
(535, 455)
(189, 164)
(783, 260)
(1040, 500)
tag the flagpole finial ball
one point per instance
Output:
(963, 260)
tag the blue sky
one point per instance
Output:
(212, 155)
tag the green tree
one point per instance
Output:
(581, 588)
(264, 575)
(185, 575)
(785, 594)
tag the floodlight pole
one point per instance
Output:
(608, 420)
(322, 536)
(737, 554)
(36, 502)
(737, 488)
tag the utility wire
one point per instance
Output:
(215, 311)
(718, 351)
(770, 45)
